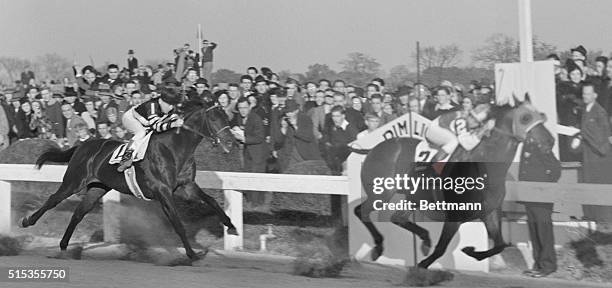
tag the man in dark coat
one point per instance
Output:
(595, 138)
(255, 152)
(296, 137)
(540, 167)
(336, 139)
(132, 61)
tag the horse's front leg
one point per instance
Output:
(169, 208)
(193, 192)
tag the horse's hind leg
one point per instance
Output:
(67, 189)
(493, 224)
(402, 219)
(87, 204)
(193, 188)
(448, 231)
(363, 211)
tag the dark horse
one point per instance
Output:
(167, 168)
(493, 157)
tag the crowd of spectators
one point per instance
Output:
(279, 121)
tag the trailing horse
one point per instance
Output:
(168, 168)
(491, 158)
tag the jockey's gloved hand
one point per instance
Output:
(178, 123)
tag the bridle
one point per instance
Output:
(215, 139)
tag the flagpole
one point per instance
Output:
(200, 48)
(525, 31)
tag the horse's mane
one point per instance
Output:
(191, 106)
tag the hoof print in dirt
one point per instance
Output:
(419, 277)
(74, 253)
(319, 268)
(9, 246)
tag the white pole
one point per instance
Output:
(200, 49)
(233, 208)
(5, 211)
(525, 31)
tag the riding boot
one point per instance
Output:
(441, 155)
(126, 160)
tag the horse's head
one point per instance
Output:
(209, 122)
(524, 123)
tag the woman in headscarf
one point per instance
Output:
(569, 99)
(24, 117)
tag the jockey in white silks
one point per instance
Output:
(465, 128)
(156, 114)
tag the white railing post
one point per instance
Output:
(5, 207)
(111, 210)
(233, 209)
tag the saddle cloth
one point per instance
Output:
(136, 156)
(130, 179)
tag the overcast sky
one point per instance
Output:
(285, 34)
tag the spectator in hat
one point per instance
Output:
(568, 101)
(53, 112)
(70, 97)
(403, 96)
(132, 62)
(600, 65)
(208, 48)
(579, 53)
(72, 122)
(85, 79)
(296, 139)
(200, 91)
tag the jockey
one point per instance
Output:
(465, 128)
(156, 114)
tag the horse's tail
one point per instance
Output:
(55, 155)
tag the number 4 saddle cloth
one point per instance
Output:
(130, 173)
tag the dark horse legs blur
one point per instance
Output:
(87, 204)
(195, 193)
(169, 208)
(363, 211)
(493, 224)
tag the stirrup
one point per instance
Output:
(126, 161)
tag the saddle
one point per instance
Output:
(130, 173)
(138, 154)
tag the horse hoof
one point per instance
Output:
(425, 247)
(469, 250)
(23, 222)
(232, 231)
(376, 252)
(68, 254)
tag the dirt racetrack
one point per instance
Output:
(247, 270)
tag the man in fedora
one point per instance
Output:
(132, 61)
